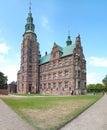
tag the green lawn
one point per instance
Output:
(50, 113)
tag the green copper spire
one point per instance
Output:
(29, 27)
(69, 42)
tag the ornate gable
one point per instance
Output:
(56, 52)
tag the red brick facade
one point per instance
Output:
(60, 76)
(56, 76)
(60, 72)
(29, 70)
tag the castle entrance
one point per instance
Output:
(30, 88)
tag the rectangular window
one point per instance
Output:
(60, 63)
(30, 68)
(54, 75)
(40, 86)
(66, 84)
(54, 64)
(44, 86)
(49, 66)
(78, 73)
(59, 73)
(66, 72)
(30, 59)
(22, 78)
(78, 84)
(30, 78)
(30, 51)
(49, 85)
(49, 76)
(44, 67)
(44, 77)
(66, 61)
(60, 85)
(54, 85)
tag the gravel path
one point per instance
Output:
(94, 118)
(9, 120)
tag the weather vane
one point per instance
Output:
(30, 6)
(69, 32)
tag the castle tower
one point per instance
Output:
(80, 68)
(27, 78)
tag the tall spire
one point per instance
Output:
(30, 6)
(69, 42)
(29, 27)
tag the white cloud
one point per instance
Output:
(97, 61)
(11, 72)
(4, 48)
(93, 78)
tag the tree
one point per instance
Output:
(91, 88)
(105, 81)
(96, 88)
(3, 81)
(99, 87)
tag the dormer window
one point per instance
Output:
(66, 61)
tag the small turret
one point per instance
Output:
(69, 42)
(78, 40)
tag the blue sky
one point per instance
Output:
(53, 19)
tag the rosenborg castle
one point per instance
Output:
(60, 72)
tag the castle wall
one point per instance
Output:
(56, 77)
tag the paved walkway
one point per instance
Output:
(9, 120)
(94, 118)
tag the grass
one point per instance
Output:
(50, 113)
(16, 94)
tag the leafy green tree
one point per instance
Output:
(3, 81)
(105, 80)
(99, 87)
(94, 88)
(91, 88)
